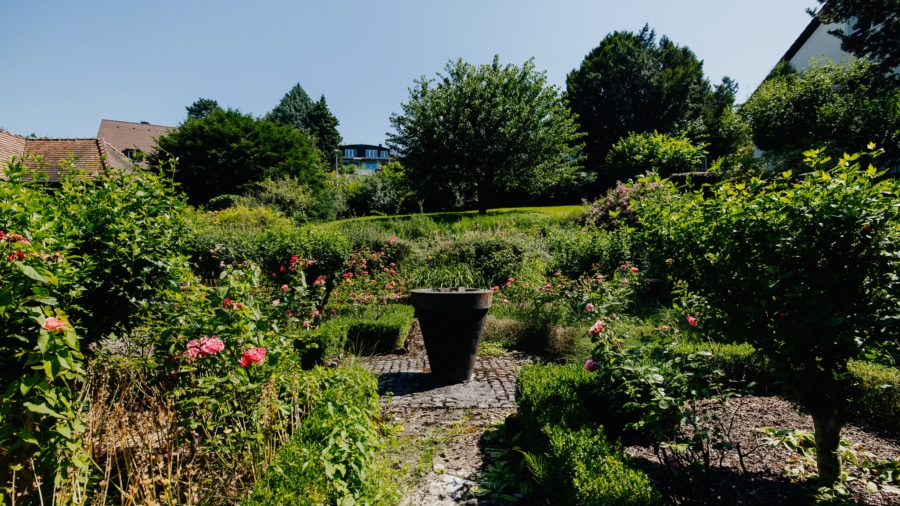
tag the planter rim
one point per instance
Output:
(450, 291)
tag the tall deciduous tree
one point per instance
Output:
(631, 84)
(875, 28)
(842, 107)
(228, 152)
(481, 130)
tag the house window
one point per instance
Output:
(135, 155)
(371, 153)
(349, 153)
(384, 154)
(371, 166)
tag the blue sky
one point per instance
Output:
(66, 65)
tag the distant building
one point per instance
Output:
(134, 140)
(365, 158)
(90, 155)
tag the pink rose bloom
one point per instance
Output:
(211, 345)
(665, 328)
(190, 354)
(634, 269)
(495, 288)
(591, 365)
(505, 301)
(252, 356)
(691, 321)
(285, 288)
(589, 307)
(53, 324)
(276, 302)
(596, 328)
(306, 324)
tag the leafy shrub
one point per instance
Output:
(583, 468)
(324, 343)
(879, 396)
(662, 154)
(41, 369)
(383, 334)
(750, 256)
(333, 457)
(287, 194)
(124, 233)
(214, 245)
(576, 252)
(483, 258)
(616, 209)
(554, 395)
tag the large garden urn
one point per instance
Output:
(452, 321)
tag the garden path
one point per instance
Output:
(462, 411)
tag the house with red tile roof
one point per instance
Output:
(89, 155)
(134, 140)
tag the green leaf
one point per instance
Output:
(41, 409)
(29, 272)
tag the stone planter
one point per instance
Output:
(452, 321)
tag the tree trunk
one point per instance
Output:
(827, 428)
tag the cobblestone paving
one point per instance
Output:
(411, 395)
(404, 380)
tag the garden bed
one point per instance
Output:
(764, 481)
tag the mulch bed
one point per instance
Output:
(761, 479)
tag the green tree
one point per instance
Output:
(631, 84)
(299, 111)
(842, 107)
(201, 108)
(293, 108)
(323, 127)
(228, 152)
(727, 133)
(481, 130)
(802, 267)
(874, 29)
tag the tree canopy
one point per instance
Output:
(201, 107)
(299, 111)
(228, 152)
(842, 107)
(631, 84)
(481, 130)
(875, 28)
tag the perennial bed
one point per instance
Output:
(763, 480)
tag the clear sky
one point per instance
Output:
(67, 64)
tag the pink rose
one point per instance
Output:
(306, 324)
(211, 345)
(691, 321)
(665, 328)
(634, 269)
(589, 307)
(596, 328)
(591, 365)
(252, 356)
(53, 324)
(285, 288)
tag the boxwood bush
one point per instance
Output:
(583, 468)
(383, 334)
